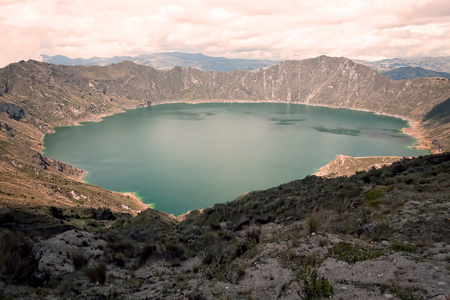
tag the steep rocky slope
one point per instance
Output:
(61, 95)
(375, 235)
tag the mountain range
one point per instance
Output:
(396, 69)
(413, 72)
(168, 60)
(63, 95)
(381, 233)
(438, 64)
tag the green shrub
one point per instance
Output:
(241, 249)
(349, 224)
(254, 234)
(314, 287)
(79, 260)
(372, 197)
(208, 259)
(97, 273)
(404, 247)
(103, 214)
(236, 273)
(17, 262)
(196, 295)
(409, 292)
(147, 252)
(56, 212)
(313, 223)
(174, 251)
(119, 251)
(381, 231)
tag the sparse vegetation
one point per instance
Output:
(315, 287)
(103, 214)
(313, 222)
(372, 197)
(407, 293)
(17, 262)
(56, 212)
(232, 240)
(351, 253)
(403, 246)
(96, 273)
(79, 260)
(381, 231)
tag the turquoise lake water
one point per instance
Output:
(181, 157)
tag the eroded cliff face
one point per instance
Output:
(64, 95)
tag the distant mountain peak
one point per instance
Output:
(437, 64)
(168, 60)
(413, 72)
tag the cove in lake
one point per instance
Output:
(181, 157)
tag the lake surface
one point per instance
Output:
(181, 157)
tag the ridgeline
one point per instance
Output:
(63, 238)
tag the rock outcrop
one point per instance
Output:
(13, 111)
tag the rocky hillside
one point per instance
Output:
(382, 233)
(61, 95)
(375, 235)
(167, 61)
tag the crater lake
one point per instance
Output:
(181, 157)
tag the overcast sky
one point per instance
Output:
(282, 29)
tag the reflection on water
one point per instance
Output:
(288, 121)
(345, 131)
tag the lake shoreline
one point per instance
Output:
(98, 118)
(414, 130)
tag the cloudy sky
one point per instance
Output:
(283, 29)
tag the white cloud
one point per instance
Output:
(220, 13)
(85, 21)
(285, 29)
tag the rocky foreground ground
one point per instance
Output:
(381, 234)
